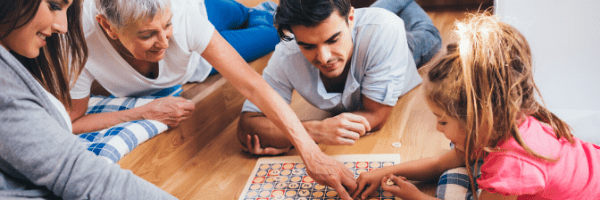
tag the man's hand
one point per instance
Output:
(257, 150)
(168, 110)
(327, 171)
(342, 129)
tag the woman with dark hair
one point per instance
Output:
(39, 157)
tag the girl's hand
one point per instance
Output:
(168, 110)
(369, 182)
(401, 188)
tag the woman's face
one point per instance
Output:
(27, 40)
(149, 39)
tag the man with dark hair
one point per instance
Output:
(353, 63)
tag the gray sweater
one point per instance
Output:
(41, 159)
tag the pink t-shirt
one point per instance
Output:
(512, 171)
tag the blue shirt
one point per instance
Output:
(382, 67)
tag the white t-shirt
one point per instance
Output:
(182, 61)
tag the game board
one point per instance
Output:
(285, 178)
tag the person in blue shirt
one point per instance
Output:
(353, 63)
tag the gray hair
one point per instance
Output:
(122, 13)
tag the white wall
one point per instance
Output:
(564, 36)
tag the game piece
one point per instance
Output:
(285, 178)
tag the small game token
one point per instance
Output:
(267, 186)
(281, 185)
(304, 193)
(255, 187)
(306, 185)
(317, 194)
(288, 166)
(290, 193)
(349, 165)
(307, 179)
(319, 187)
(294, 185)
(286, 172)
(396, 144)
(277, 193)
(375, 165)
(331, 193)
(389, 182)
(258, 179)
(297, 171)
(278, 198)
(360, 171)
(296, 179)
(261, 173)
(265, 193)
(281, 178)
(362, 165)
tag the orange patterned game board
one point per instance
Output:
(285, 178)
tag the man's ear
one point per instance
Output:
(109, 29)
(351, 16)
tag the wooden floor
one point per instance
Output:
(201, 158)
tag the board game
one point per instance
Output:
(285, 178)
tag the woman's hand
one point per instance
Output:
(168, 110)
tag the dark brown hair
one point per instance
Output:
(51, 68)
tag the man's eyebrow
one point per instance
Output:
(334, 36)
(328, 40)
(303, 44)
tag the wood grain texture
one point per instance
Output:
(201, 158)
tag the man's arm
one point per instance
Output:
(342, 129)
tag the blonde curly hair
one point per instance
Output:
(485, 82)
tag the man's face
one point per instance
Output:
(328, 46)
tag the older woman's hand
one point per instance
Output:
(168, 110)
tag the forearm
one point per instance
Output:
(375, 119)
(99, 121)
(427, 168)
(252, 86)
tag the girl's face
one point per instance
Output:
(449, 126)
(148, 40)
(27, 40)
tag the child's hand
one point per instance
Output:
(401, 188)
(369, 182)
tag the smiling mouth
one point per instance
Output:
(158, 51)
(42, 36)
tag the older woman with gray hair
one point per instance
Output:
(138, 47)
